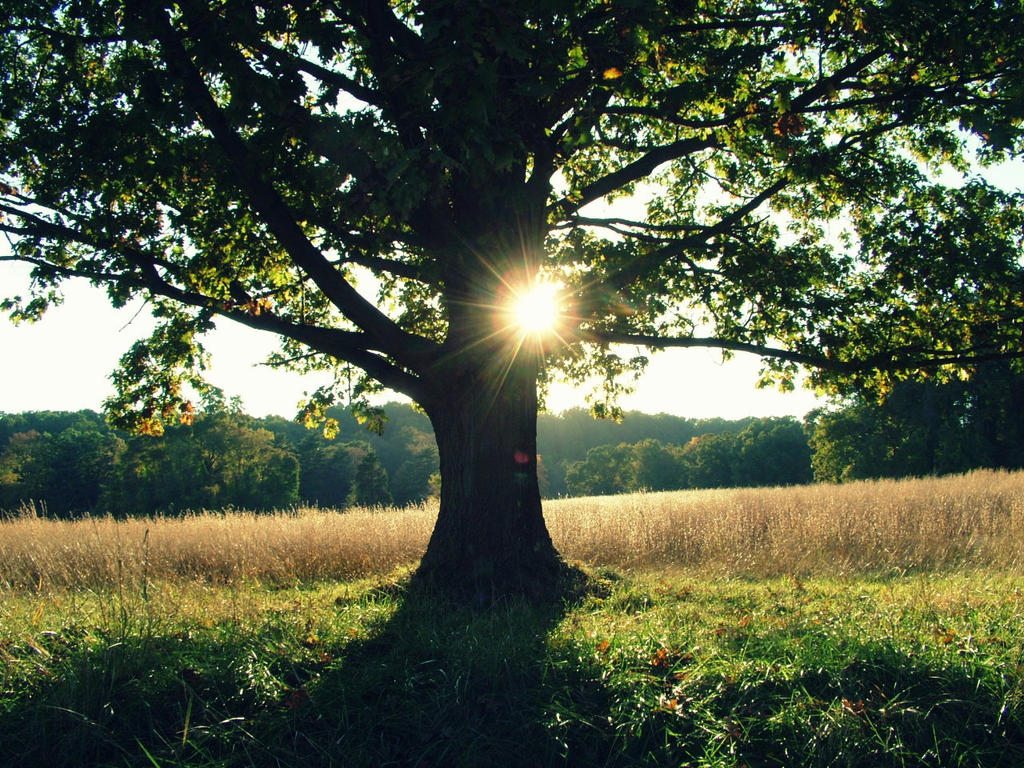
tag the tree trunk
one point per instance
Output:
(490, 539)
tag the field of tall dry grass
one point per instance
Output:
(879, 526)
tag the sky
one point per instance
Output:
(63, 362)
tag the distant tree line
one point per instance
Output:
(73, 463)
(565, 439)
(923, 428)
(772, 451)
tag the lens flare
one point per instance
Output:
(537, 311)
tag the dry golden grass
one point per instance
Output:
(975, 519)
(283, 548)
(882, 526)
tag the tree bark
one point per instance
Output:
(490, 540)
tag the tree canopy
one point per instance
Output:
(378, 182)
(924, 428)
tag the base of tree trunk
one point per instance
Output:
(490, 541)
(553, 581)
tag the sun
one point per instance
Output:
(538, 311)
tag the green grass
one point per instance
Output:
(650, 669)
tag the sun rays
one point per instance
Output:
(512, 320)
(522, 322)
(538, 310)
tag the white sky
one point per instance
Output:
(64, 361)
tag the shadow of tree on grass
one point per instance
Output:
(437, 684)
(431, 683)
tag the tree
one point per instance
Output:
(220, 460)
(606, 470)
(773, 452)
(712, 460)
(244, 463)
(65, 472)
(658, 467)
(327, 471)
(405, 450)
(648, 465)
(410, 482)
(165, 474)
(254, 161)
(564, 439)
(370, 484)
(923, 428)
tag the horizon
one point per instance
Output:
(88, 336)
(63, 363)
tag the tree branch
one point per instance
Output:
(351, 346)
(405, 347)
(60, 34)
(380, 264)
(388, 28)
(596, 295)
(634, 171)
(376, 21)
(890, 360)
(327, 76)
(629, 228)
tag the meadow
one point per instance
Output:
(872, 623)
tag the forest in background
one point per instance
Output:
(72, 463)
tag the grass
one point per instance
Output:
(668, 670)
(866, 527)
(887, 648)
